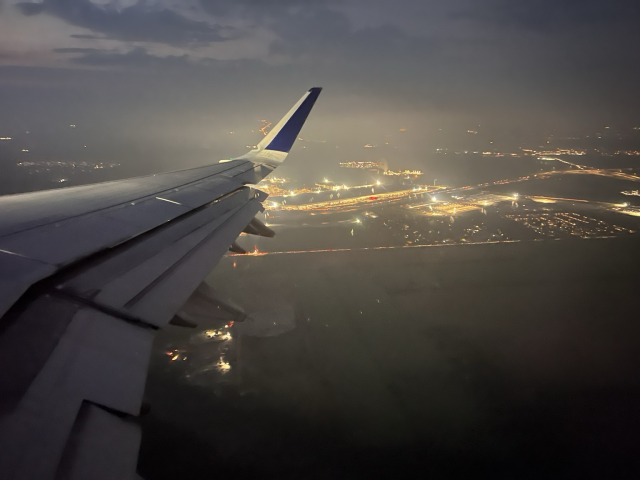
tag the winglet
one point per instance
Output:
(275, 147)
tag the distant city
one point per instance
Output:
(407, 213)
(544, 193)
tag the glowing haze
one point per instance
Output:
(171, 79)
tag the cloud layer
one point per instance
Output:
(559, 62)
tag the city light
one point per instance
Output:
(223, 366)
(338, 203)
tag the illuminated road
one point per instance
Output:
(257, 253)
(608, 173)
(611, 173)
(368, 200)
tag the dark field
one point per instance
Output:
(487, 361)
(582, 187)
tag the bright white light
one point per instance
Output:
(167, 200)
(223, 366)
(378, 182)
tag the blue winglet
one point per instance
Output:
(285, 138)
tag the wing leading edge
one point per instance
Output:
(87, 274)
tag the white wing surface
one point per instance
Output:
(87, 275)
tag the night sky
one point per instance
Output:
(162, 77)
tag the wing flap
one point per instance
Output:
(100, 359)
(169, 292)
(99, 273)
(154, 290)
(17, 274)
(102, 446)
(121, 292)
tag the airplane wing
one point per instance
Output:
(87, 276)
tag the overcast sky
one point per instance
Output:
(194, 69)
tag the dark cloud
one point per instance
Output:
(30, 8)
(510, 63)
(86, 37)
(502, 58)
(138, 58)
(76, 50)
(550, 15)
(499, 56)
(260, 8)
(136, 23)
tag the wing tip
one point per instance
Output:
(291, 124)
(275, 147)
(315, 91)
